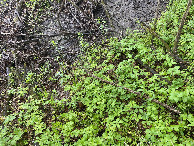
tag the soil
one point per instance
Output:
(56, 33)
(125, 13)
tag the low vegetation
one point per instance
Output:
(138, 90)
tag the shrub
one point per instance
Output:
(133, 91)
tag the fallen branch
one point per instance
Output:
(134, 92)
(157, 36)
(178, 59)
(181, 27)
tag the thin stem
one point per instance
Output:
(181, 27)
(134, 92)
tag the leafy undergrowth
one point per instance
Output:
(131, 92)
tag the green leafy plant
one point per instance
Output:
(131, 92)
